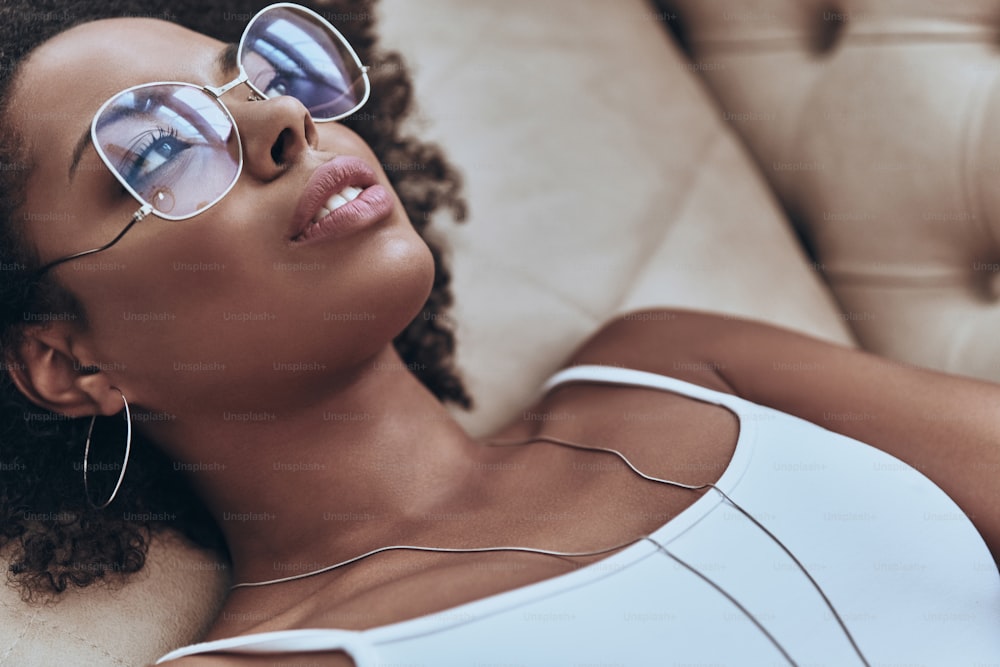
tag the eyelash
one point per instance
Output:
(148, 140)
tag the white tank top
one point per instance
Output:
(903, 566)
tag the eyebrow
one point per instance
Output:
(225, 64)
(81, 145)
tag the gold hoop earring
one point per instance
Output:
(128, 451)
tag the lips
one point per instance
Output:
(341, 196)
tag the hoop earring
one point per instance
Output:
(128, 451)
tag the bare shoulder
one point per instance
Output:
(665, 341)
(763, 362)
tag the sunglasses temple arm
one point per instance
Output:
(139, 215)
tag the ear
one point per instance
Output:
(45, 370)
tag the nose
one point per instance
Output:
(275, 132)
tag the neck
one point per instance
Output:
(292, 492)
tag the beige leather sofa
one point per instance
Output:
(606, 171)
(873, 121)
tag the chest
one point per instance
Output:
(560, 499)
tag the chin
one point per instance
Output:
(410, 279)
(422, 279)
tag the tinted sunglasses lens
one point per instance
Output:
(290, 52)
(174, 145)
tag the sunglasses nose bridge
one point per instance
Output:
(218, 91)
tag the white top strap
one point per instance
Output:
(630, 376)
(285, 641)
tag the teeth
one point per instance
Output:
(348, 194)
(335, 202)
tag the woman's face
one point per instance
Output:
(225, 310)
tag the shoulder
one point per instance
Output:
(670, 342)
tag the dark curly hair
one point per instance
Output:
(50, 535)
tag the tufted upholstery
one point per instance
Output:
(601, 178)
(874, 121)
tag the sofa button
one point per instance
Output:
(827, 30)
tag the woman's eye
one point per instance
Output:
(313, 91)
(278, 86)
(157, 150)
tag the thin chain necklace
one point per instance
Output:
(580, 554)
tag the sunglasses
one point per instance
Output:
(174, 146)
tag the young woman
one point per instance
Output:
(166, 206)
